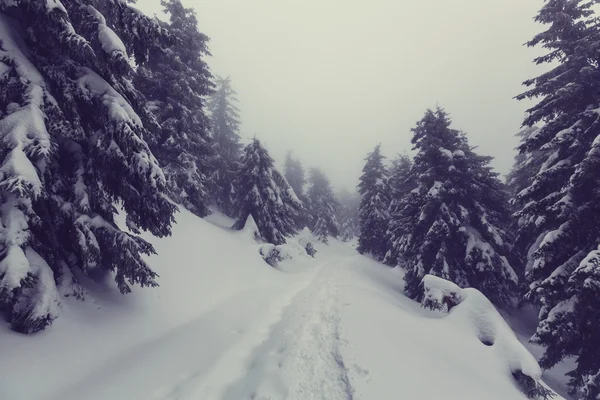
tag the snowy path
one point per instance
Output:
(300, 358)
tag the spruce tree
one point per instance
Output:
(263, 193)
(400, 184)
(225, 121)
(348, 214)
(323, 206)
(559, 219)
(181, 143)
(525, 166)
(294, 174)
(453, 222)
(73, 148)
(373, 210)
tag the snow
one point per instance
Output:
(55, 4)
(476, 315)
(224, 325)
(446, 152)
(46, 294)
(435, 189)
(118, 108)
(109, 40)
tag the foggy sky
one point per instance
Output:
(329, 79)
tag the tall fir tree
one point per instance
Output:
(182, 143)
(294, 174)
(453, 222)
(373, 210)
(525, 166)
(73, 147)
(348, 214)
(263, 193)
(559, 219)
(225, 121)
(323, 206)
(400, 183)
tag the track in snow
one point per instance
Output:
(300, 359)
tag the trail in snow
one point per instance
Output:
(299, 357)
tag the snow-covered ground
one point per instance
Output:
(224, 325)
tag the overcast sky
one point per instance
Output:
(329, 79)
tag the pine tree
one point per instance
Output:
(348, 214)
(73, 147)
(263, 193)
(294, 174)
(225, 123)
(525, 166)
(182, 144)
(323, 206)
(559, 219)
(453, 222)
(373, 211)
(400, 183)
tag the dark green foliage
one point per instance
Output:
(75, 147)
(323, 206)
(400, 184)
(560, 209)
(263, 193)
(181, 139)
(452, 225)
(373, 210)
(225, 133)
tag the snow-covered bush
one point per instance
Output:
(307, 243)
(273, 255)
(471, 311)
(270, 254)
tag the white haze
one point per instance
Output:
(330, 79)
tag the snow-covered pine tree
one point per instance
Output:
(348, 214)
(558, 224)
(373, 210)
(323, 206)
(294, 174)
(400, 184)
(453, 222)
(525, 166)
(72, 147)
(181, 142)
(263, 193)
(225, 121)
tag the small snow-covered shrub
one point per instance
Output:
(473, 312)
(440, 297)
(270, 254)
(304, 240)
(273, 255)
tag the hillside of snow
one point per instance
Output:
(224, 325)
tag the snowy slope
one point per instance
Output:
(226, 326)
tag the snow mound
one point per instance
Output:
(273, 255)
(469, 310)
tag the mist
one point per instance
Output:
(329, 79)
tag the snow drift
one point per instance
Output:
(469, 310)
